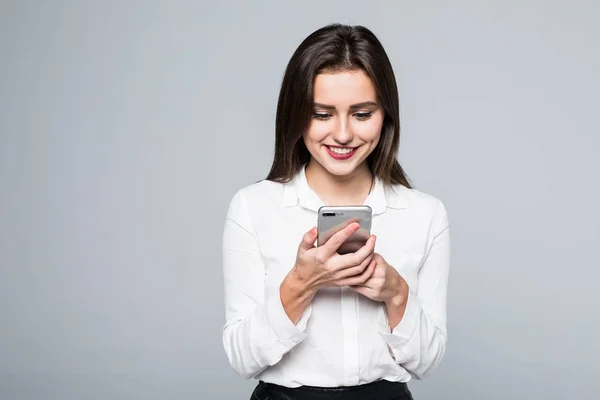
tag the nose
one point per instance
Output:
(342, 133)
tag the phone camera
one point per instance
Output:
(329, 214)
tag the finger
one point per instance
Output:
(364, 290)
(308, 240)
(371, 282)
(377, 257)
(361, 254)
(345, 272)
(360, 279)
(335, 241)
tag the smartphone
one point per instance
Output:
(332, 219)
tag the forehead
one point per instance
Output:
(343, 88)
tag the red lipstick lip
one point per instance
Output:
(341, 156)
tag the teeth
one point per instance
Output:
(338, 150)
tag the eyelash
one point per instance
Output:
(363, 116)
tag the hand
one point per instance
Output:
(318, 267)
(385, 285)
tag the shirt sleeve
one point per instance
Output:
(418, 342)
(257, 331)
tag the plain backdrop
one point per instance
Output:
(127, 126)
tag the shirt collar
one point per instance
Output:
(297, 191)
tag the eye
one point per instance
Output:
(321, 116)
(362, 116)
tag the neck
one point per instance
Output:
(335, 190)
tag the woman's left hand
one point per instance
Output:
(386, 285)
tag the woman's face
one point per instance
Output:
(346, 122)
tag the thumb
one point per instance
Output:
(308, 240)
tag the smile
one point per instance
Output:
(341, 153)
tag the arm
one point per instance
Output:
(418, 341)
(258, 330)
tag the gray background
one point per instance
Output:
(126, 128)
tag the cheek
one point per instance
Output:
(369, 130)
(317, 131)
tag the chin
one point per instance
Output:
(340, 169)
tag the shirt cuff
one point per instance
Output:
(285, 329)
(405, 330)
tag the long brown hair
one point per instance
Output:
(335, 47)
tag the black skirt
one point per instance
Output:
(379, 390)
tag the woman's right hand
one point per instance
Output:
(319, 267)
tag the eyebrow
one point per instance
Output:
(364, 104)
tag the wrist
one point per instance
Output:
(298, 286)
(400, 297)
(396, 305)
(396, 301)
(295, 297)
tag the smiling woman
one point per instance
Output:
(346, 125)
(308, 321)
(338, 71)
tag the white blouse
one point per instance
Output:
(343, 338)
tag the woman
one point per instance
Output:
(303, 320)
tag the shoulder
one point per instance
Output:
(260, 190)
(424, 204)
(255, 197)
(425, 200)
